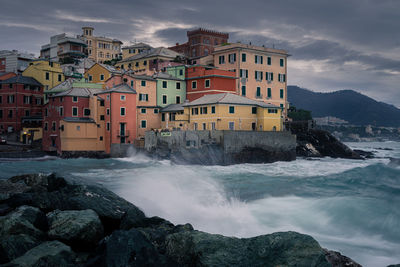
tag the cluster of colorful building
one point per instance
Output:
(84, 104)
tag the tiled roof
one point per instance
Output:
(22, 80)
(110, 68)
(80, 92)
(142, 77)
(172, 107)
(159, 51)
(121, 88)
(227, 98)
(138, 45)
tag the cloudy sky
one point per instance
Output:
(341, 44)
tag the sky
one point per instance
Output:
(334, 45)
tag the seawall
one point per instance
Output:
(221, 147)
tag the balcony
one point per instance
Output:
(259, 96)
(123, 133)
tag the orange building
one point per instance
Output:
(203, 80)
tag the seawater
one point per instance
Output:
(351, 206)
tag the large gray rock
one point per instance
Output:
(194, 248)
(49, 254)
(19, 232)
(77, 228)
(127, 248)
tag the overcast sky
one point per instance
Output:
(341, 44)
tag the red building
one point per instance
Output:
(200, 43)
(20, 98)
(204, 80)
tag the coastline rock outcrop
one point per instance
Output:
(53, 222)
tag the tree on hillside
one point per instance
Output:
(299, 114)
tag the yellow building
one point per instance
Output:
(133, 50)
(261, 71)
(48, 73)
(148, 60)
(99, 73)
(100, 49)
(223, 112)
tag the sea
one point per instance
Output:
(350, 206)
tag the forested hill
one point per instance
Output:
(348, 105)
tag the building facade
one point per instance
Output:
(100, 73)
(201, 42)
(261, 72)
(100, 49)
(63, 48)
(171, 86)
(14, 61)
(48, 73)
(202, 80)
(21, 98)
(229, 112)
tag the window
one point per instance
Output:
(122, 97)
(75, 99)
(243, 57)
(231, 125)
(143, 97)
(162, 116)
(231, 109)
(47, 76)
(281, 93)
(108, 126)
(145, 63)
(195, 111)
(86, 112)
(269, 76)
(269, 61)
(90, 78)
(204, 126)
(194, 84)
(244, 73)
(258, 75)
(258, 92)
(243, 90)
(164, 99)
(221, 59)
(102, 103)
(53, 126)
(143, 124)
(46, 112)
(207, 83)
(281, 62)
(143, 83)
(10, 113)
(38, 101)
(143, 110)
(156, 111)
(59, 77)
(27, 99)
(131, 83)
(269, 93)
(1, 99)
(1, 113)
(27, 113)
(281, 105)
(10, 85)
(61, 111)
(253, 110)
(78, 128)
(122, 112)
(232, 58)
(46, 126)
(10, 99)
(213, 126)
(178, 99)
(270, 110)
(258, 59)
(180, 72)
(74, 111)
(164, 84)
(101, 138)
(178, 85)
(282, 77)
(213, 109)
(101, 77)
(108, 111)
(195, 126)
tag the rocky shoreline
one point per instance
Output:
(47, 220)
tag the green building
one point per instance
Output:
(171, 86)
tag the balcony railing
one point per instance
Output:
(123, 133)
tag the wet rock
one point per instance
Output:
(132, 218)
(13, 246)
(127, 248)
(364, 154)
(81, 229)
(338, 260)
(4, 209)
(194, 248)
(51, 253)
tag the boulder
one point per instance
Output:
(49, 254)
(196, 248)
(132, 218)
(17, 223)
(127, 248)
(13, 246)
(81, 229)
(337, 259)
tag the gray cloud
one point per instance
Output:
(334, 44)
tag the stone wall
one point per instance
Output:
(221, 147)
